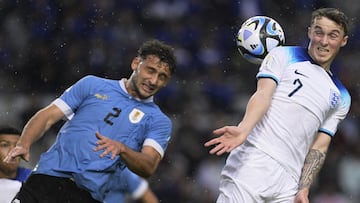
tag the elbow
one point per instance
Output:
(147, 173)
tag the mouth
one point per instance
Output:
(148, 88)
(322, 50)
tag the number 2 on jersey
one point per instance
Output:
(111, 114)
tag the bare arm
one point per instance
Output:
(33, 130)
(233, 136)
(142, 163)
(313, 163)
(149, 197)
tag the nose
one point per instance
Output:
(324, 40)
(154, 78)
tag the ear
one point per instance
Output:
(135, 63)
(309, 32)
(344, 41)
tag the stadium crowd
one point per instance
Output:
(47, 45)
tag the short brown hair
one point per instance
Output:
(159, 49)
(333, 14)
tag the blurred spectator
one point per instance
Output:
(11, 175)
(349, 172)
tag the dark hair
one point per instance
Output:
(333, 14)
(9, 130)
(159, 49)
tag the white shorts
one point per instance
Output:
(253, 176)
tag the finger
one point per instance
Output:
(104, 153)
(113, 155)
(100, 142)
(98, 135)
(11, 156)
(6, 159)
(216, 149)
(99, 147)
(211, 142)
(221, 152)
(9, 159)
(219, 131)
(26, 157)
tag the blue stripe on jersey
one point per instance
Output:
(268, 76)
(345, 95)
(331, 134)
(299, 54)
(22, 174)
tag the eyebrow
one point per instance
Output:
(319, 27)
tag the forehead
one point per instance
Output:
(327, 25)
(155, 62)
(9, 137)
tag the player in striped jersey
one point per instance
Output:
(279, 147)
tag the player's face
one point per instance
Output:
(326, 39)
(7, 142)
(149, 76)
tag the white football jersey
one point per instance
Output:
(307, 99)
(8, 189)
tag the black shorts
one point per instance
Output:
(40, 188)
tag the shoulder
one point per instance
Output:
(288, 54)
(293, 51)
(95, 81)
(344, 94)
(158, 117)
(92, 78)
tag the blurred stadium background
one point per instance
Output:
(46, 45)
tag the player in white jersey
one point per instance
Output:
(279, 147)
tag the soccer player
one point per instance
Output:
(278, 148)
(11, 175)
(112, 125)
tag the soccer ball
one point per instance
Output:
(257, 36)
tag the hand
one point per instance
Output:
(230, 137)
(302, 196)
(17, 151)
(109, 146)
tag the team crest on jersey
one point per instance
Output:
(334, 98)
(136, 115)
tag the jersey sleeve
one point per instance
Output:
(330, 125)
(72, 97)
(273, 65)
(159, 134)
(125, 183)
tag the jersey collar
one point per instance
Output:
(122, 85)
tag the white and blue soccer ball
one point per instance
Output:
(257, 36)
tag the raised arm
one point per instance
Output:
(233, 136)
(33, 130)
